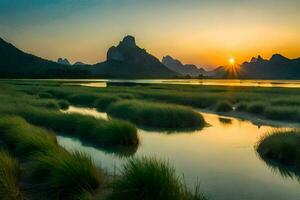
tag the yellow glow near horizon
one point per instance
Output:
(231, 61)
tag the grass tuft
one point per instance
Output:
(281, 146)
(65, 175)
(156, 115)
(223, 106)
(148, 179)
(256, 107)
(9, 178)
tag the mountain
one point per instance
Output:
(278, 67)
(15, 63)
(177, 66)
(129, 60)
(78, 63)
(63, 61)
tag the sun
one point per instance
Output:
(231, 61)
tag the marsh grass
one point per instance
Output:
(97, 131)
(9, 178)
(104, 102)
(148, 179)
(223, 106)
(25, 140)
(241, 106)
(257, 107)
(64, 175)
(63, 104)
(156, 115)
(52, 170)
(45, 95)
(282, 146)
(285, 113)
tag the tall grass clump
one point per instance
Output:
(282, 113)
(223, 106)
(256, 107)
(148, 179)
(282, 146)
(96, 131)
(83, 99)
(63, 104)
(51, 169)
(64, 175)
(45, 95)
(24, 139)
(242, 106)
(9, 178)
(156, 115)
(103, 102)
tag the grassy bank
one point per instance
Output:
(282, 147)
(156, 115)
(52, 171)
(148, 179)
(10, 173)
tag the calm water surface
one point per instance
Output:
(221, 157)
(207, 82)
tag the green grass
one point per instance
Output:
(25, 140)
(51, 169)
(281, 146)
(63, 104)
(156, 115)
(223, 106)
(104, 102)
(242, 106)
(284, 113)
(10, 172)
(97, 131)
(256, 107)
(148, 179)
(64, 175)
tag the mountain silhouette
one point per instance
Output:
(15, 63)
(177, 66)
(63, 61)
(129, 60)
(277, 67)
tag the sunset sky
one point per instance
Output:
(203, 32)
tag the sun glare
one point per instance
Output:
(231, 61)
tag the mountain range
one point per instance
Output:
(187, 69)
(128, 60)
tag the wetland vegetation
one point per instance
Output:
(33, 163)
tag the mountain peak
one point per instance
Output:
(128, 41)
(63, 61)
(278, 57)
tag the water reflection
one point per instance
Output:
(208, 82)
(222, 158)
(225, 121)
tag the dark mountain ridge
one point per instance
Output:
(15, 63)
(129, 60)
(187, 69)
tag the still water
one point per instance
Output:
(221, 157)
(207, 82)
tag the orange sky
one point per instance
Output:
(206, 33)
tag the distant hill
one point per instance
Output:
(15, 63)
(63, 61)
(129, 60)
(177, 66)
(278, 67)
(78, 63)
